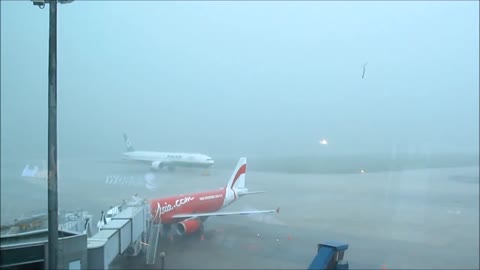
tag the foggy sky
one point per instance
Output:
(243, 78)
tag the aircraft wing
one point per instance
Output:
(216, 214)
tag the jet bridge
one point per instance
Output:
(124, 235)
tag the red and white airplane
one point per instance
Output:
(185, 214)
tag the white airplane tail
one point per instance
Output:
(235, 187)
(128, 143)
(237, 180)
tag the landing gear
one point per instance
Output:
(201, 232)
(166, 230)
(168, 233)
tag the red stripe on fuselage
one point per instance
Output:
(240, 171)
(200, 202)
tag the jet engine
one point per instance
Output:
(188, 226)
(156, 165)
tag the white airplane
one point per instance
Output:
(168, 160)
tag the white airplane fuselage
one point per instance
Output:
(160, 160)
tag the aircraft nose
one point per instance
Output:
(210, 161)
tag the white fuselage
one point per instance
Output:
(168, 159)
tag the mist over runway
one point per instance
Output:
(384, 216)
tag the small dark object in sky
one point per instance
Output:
(364, 65)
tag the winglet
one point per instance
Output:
(278, 210)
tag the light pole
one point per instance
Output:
(52, 257)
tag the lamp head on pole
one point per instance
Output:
(41, 3)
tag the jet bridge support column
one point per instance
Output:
(162, 258)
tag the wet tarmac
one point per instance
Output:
(385, 217)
